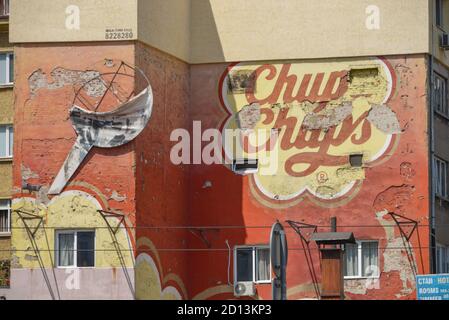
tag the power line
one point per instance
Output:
(232, 227)
(193, 249)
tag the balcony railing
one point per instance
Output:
(4, 8)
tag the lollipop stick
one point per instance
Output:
(71, 164)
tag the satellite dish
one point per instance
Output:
(106, 129)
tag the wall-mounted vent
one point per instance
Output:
(241, 81)
(356, 160)
(362, 72)
(245, 166)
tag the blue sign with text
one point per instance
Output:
(432, 287)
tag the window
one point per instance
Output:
(5, 216)
(439, 12)
(356, 160)
(361, 259)
(4, 8)
(252, 264)
(440, 177)
(6, 141)
(440, 94)
(442, 259)
(75, 248)
(6, 68)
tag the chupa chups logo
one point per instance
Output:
(324, 113)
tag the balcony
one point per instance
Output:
(4, 9)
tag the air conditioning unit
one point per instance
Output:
(444, 41)
(245, 166)
(244, 289)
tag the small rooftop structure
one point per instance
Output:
(333, 238)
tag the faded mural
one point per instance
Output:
(351, 143)
(324, 113)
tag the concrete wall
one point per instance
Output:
(204, 31)
(45, 21)
(165, 24)
(262, 30)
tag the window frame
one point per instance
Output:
(360, 263)
(75, 247)
(8, 54)
(442, 257)
(254, 249)
(445, 112)
(7, 208)
(6, 9)
(437, 161)
(9, 128)
(439, 17)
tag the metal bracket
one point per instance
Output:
(32, 235)
(305, 242)
(30, 216)
(299, 226)
(109, 214)
(404, 221)
(113, 231)
(400, 222)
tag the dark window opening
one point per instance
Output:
(356, 160)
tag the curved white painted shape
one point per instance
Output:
(145, 258)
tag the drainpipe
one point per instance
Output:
(432, 243)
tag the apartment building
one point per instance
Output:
(6, 141)
(355, 92)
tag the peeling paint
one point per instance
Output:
(356, 286)
(394, 259)
(27, 173)
(407, 171)
(249, 116)
(61, 77)
(384, 119)
(394, 199)
(117, 197)
(207, 184)
(327, 118)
